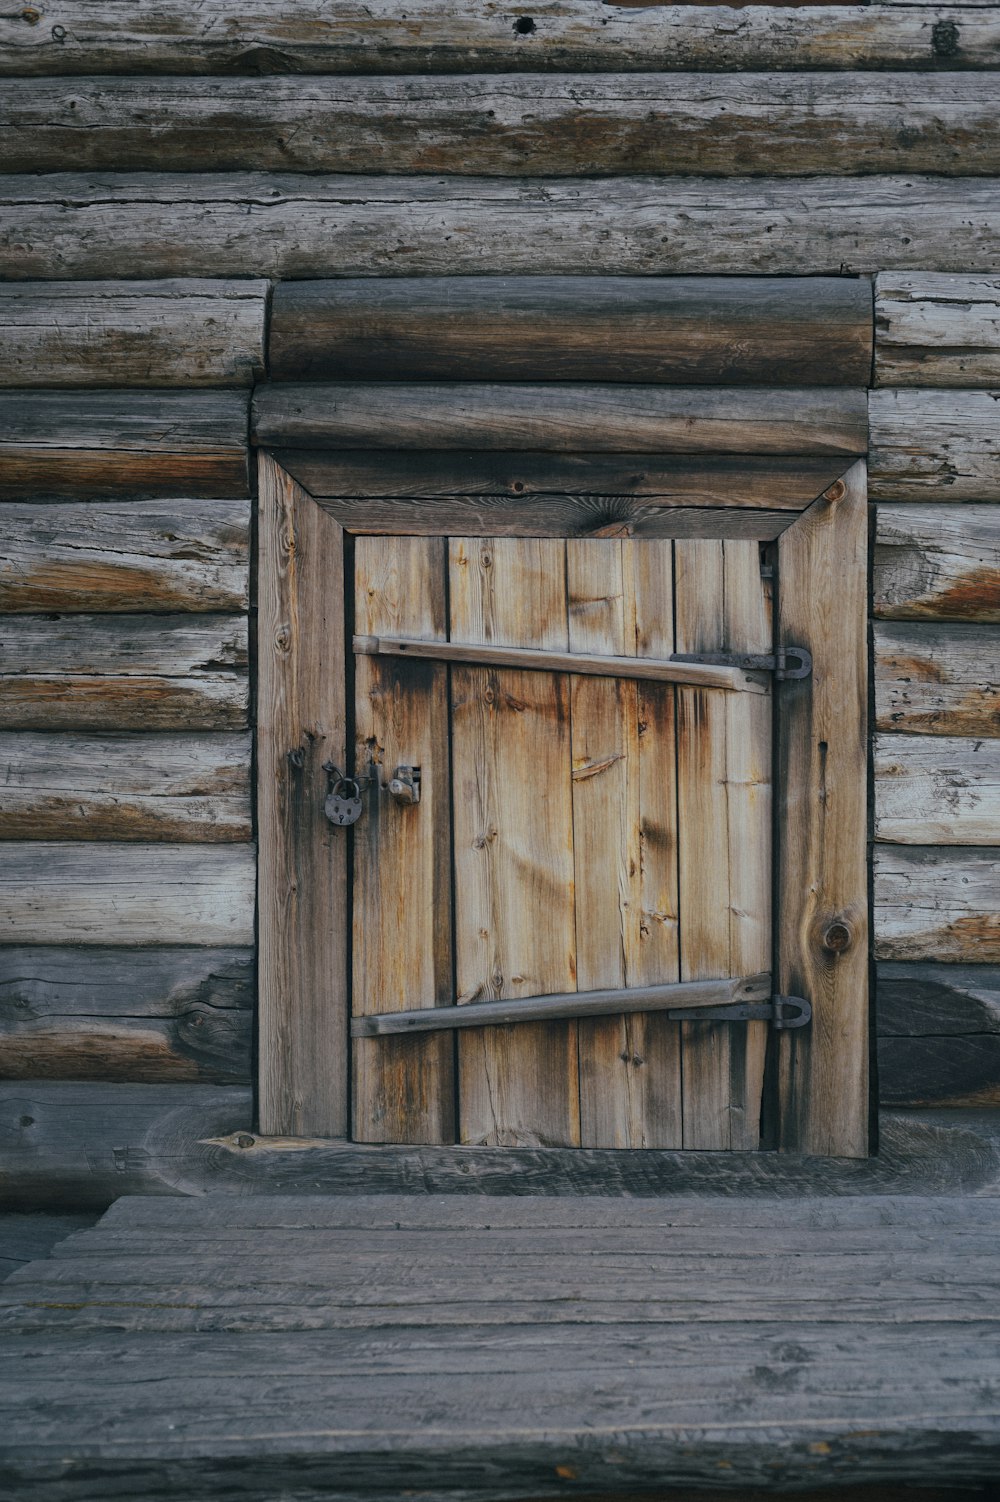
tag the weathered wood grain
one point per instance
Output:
(561, 417)
(937, 563)
(403, 1090)
(937, 903)
(936, 679)
(125, 556)
(515, 920)
(934, 445)
(681, 330)
(150, 1015)
(303, 902)
(105, 442)
(939, 1035)
(726, 676)
(125, 787)
(91, 36)
(822, 882)
(27, 1236)
(936, 330)
(55, 893)
(937, 790)
(86, 1144)
(183, 332)
(620, 599)
(726, 125)
(124, 672)
(724, 838)
(295, 225)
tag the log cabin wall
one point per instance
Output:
(163, 169)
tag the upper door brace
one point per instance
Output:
(736, 671)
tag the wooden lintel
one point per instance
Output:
(659, 670)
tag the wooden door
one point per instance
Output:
(575, 832)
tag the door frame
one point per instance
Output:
(822, 899)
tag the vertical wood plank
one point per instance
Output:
(302, 869)
(403, 1088)
(514, 907)
(822, 885)
(620, 601)
(724, 778)
(748, 624)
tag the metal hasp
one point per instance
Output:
(786, 662)
(740, 999)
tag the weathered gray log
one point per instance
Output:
(92, 36)
(639, 419)
(125, 556)
(150, 1015)
(27, 1236)
(143, 442)
(125, 787)
(939, 1035)
(742, 125)
(86, 1144)
(937, 680)
(125, 672)
(175, 333)
(55, 893)
(294, 225)
(934, 445)
(684, 330)
(936, 330)
(937, 563)
(937, 790)
(937, 903)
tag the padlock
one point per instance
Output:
(343, 802)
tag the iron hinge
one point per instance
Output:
(786, 662)
(782, 1012)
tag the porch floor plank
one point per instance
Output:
(500, 1348)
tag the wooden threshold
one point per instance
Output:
(601, 1003)
(591, 664)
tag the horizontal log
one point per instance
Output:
(54, 893)
(939, 1035)
(937, 563)
(685, 994)
(591, 664)
(936, 330)
(937, 903)
(640, 419)
(179, 555)
(124, 787)
(934, 445)
(150, 1015)
(552, 516)
(937, 790)
(724, 125)
(144, 442)
(183, 332)
(936, 680)
(87, 1144)
(766, 483)
(293, 225)
(684, 330)
(124, 672)
(92, 36)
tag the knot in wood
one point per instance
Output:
(837, 938)
(836, 492)
(244, 1139)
